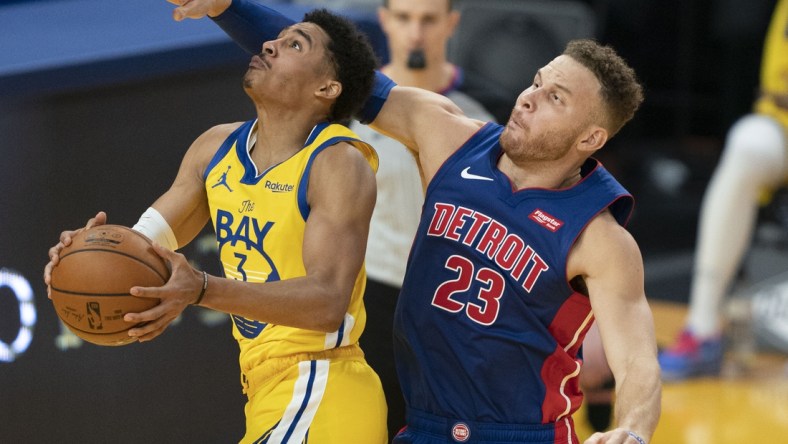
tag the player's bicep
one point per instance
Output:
(341, 197)
(185, 205)
(615, 284)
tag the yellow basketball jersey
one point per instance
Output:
(774, 66)
(259, 218)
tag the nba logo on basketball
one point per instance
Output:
(94, 316)
(460, 432)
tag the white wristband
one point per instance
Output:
(153, 225)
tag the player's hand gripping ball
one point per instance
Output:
(91, 283)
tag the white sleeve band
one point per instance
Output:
(153, 225)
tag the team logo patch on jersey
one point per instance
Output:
(460, 432)
(223, 180)
(546, 220)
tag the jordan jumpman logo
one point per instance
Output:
(223, 180)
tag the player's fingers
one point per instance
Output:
(150, 330)
(65, 238)
(165, 253)
(170, 257)
(177, 14)
(152, 335)
(151, 315)
(146, 332)
(146, 292)
(54, 253)
(48, 278)
(48, 272)
(99, 219)
(596, 438)
(191, 9)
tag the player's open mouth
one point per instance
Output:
(258, 62)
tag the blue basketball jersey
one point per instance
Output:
(487, 328)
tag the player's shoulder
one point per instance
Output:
(221, 131)
(604, 240)
(339, 153)
(213, 137)
(204, 147)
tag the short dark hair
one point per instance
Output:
(621, 91)
(353, 60)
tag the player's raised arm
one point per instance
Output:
(427, 123)
(248, 23)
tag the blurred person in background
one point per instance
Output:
(752, 166)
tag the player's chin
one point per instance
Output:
(508, 140)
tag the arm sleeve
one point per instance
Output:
(380, 92)
(251, 24)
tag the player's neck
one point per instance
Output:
(279, 136)
(437, 77)
(552, 175)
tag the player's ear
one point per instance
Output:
(330, 90)
(593, 139)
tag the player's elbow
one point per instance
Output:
(332, 316)
(330, 321)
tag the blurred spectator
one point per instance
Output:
(753, 164)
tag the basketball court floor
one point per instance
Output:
(739, 407)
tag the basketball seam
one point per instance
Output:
(82, 293)
(93, 332)
(81, 250)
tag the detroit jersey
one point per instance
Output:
(487, 328)
(259, 218)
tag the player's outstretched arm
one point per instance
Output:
(429, 124)
(610, 262)
(196, 9)
(247, 22)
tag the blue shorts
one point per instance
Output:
(425, 428)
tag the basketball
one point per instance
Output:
(91, 283)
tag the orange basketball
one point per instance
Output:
(91, 283)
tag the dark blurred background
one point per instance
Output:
(100, 99)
